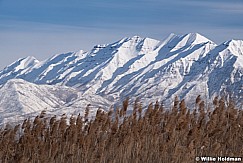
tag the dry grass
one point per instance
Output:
(158, 135)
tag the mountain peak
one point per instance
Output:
(234, 42)
(26, 62)
(177, 41)
(13, 82)
(133, 39)
(195, 38)
(22, 63)
(136, 37)
(235, 48)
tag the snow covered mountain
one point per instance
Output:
(20, 99)
(186, 66)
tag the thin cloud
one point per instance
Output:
(233, 6)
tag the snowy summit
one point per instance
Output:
(184, 65)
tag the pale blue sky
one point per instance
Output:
(47, 27)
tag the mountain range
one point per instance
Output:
(180, 65)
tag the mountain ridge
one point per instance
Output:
(180, 65)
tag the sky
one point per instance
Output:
(48, 27)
